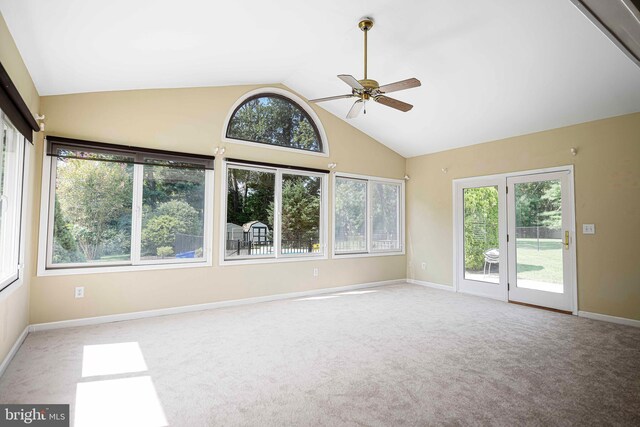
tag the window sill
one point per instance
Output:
(120, 268)
(367, 255)
(246, 261)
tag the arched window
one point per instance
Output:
(274, 119)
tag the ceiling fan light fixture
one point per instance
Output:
(367, 88)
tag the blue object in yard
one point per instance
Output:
(190, 254)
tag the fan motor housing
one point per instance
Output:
(369, 84)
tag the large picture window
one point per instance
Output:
(273, 212)
(115, 206)
(272, 117)
(368, 215)
(12, 150)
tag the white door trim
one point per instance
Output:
(455, 183)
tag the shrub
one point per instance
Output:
(480, 224)
(169, 218)
(164, 251)
(159, 231)
(183, 212)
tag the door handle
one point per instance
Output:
(566, 239)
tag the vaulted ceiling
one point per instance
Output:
(490, 69)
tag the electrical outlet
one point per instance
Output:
(79, 292)
(315, 272)
(423, 265)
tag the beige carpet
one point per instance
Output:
(393, 355)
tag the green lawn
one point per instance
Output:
(543, 264)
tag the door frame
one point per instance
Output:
(458, 210)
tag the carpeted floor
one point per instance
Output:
(393, 355)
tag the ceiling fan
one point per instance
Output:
(367, 89)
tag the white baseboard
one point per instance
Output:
(14, 350)
(199, 307)
(607, 318)
(431, 285)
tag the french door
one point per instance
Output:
(540, 246)
(482, 237)
(514, 238)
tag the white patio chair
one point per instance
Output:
(491, 256)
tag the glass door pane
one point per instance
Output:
(538, 234)
(481, 239)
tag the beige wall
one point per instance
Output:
(191, 120)
(14, 301)
(607, 193)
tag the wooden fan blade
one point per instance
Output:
(393, 103)
(355, 109)
(351, 81)
(401, 85)
(331, 98)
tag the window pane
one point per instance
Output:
(539, 258)
(350, 215)
(481, 245)
(172, 213)
(385, 204)
(274, 120)
(92, 211)
(301, 199)
(10, 201)
(250, 206)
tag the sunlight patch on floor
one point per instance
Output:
(110, 359)
(121, 402)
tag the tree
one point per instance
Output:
(552, 199)
(350, 208)
(274, 120)
(163, 183)
(169, 219)
(480, 224)
(385, 211)
(300, 209)
(65, 249)
(97, 196)
(249, 196)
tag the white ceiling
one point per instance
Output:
(490, 69)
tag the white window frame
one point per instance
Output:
(46, 268)
(23, 154)
(370, 252)
(277, 226)
(293, 97)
